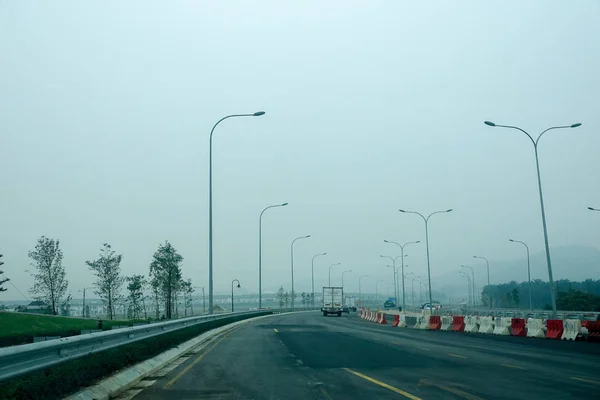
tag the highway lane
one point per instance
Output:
(308, 356)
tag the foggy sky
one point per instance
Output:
(106, 107)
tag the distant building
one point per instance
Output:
(38, 307)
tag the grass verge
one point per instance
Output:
(20, 328)
(64, 379)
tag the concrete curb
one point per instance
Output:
(114, 385)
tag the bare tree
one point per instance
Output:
(50, 283)
(109, 279)
(165, 270)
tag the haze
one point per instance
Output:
(106, 107)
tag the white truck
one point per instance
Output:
(333, 299)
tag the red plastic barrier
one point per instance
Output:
(517, 327)
(458, 323)
(382, 320)
(377, 318)
(435, 322)
(396, 321)
(593, 328)
(554, 329)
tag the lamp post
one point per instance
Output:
(473, 274)
(465, 275)
(359, 288)
(203, 301)
(238, 285)
(426, 220)
(210, 205)
(332, 265)
(528, 270)
(313, 277)
(393, 270)
(343, 276)
(83, 311)
(539, 179)
(292, 262)
(488, 273)
(260, 251)
(402, 246)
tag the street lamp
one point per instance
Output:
(203, 300)
(260, 251)
(210, 206)
(332, 265)
(426, 220)
(488, 267)
(393, 270)
(313, 276)
(83, 311)
(359, 288)
(292, 259)
(343, 276)
(402, 255)
(465, 275)
(472, 273)
(238, 285)
(537, 164)
(528, 269)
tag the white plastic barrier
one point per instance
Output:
(535, 328)
(446, 323)
(572, 329)
(502, 326)
(402, 323)
(471, 324)
(425, 322)
(486, 325)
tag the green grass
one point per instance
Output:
(20, 328)
(64, 379)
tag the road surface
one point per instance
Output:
(308, 356)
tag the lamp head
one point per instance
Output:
(258, 113)
(489, 123)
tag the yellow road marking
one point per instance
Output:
(275, 329)
(385, 385)
(456, 355)
(197, 360)
(512, 366)
(585, 380)
(450, 389)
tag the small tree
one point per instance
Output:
(2, 280)
(280, 296)
(165, 270)
(109, 280)
(50, 283)
(286, 298)
(303, 296)
(135, 286)
(188, 290)
(87, 310)
(65, 306)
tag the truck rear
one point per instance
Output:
(333, 300)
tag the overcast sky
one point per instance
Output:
(371, 106)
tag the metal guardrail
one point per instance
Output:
(23, 359)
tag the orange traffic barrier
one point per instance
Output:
(554, 329)
(517, 327)
(458, 323)
(435, 322)
(396, 321)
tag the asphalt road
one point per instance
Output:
(308, 356)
